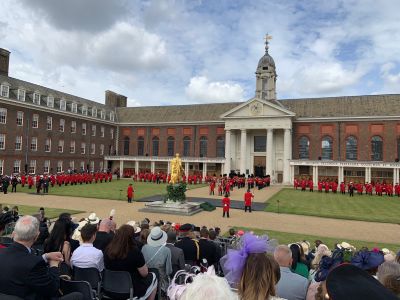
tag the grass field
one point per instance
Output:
(365, 208)
(287, 238)
(51, 213)
(115, 190)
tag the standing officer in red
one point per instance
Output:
(129, 193)
(248, 196)
(342, 188)
(226, 204)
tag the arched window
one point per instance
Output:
(126, 145)
(203, 146)
(304, 148)
(171, 145)
(156, 143)
(140, 146)
(326, 148)
(376, 148)
(220, 146)
(351, 148)
(186, 146)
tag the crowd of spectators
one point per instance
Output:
(238, 265)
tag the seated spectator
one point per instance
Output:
(86, 255)
(15, 213)
(291, 286)
(350, 282)
(25, 275)
(298, 266)
(104, 235)
(67, 217)
(205, 286)
(177, 257)
(189, 245)
(389, 275)
(208, 249)
(122, 254)
(158, 256)
(58, 240)
(144, 234)
(44, 232)
(5, 218)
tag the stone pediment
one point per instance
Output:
(257, 108)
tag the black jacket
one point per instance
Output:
(25, 275)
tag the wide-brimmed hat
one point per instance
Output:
(367, 260)
(347, 282)
(134, 225)
(157, 237)
(92, 219)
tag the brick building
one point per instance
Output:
(346, 138)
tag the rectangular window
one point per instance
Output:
(50, 101)
(3, 115)
(73, 126)
(62, 125)
(102, 131)
(1, 166)
(94, 112)
(74, 107)
(101, 166)
(72, 147)
(36, 98)
(18, 143)
(17, 166)
(82, 166)
(112, 133)
(59, 166)
(21, 95)
(72, 164)
(84, 110)
(112, 116)
(101, 149)
(63, 104)
(2, 141)
(46, 167)
(49, 123)
(34, 144)
(260, 143)
(83, 128)
(103, 114)
(92, 166)
(93, 130)
(20, 118)
(83, 148)
(47, 145)
(5, 90)
(92, 148)
(60, 146)
(32, 167)
(35, 121)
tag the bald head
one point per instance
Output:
(283, 255)
(105, 225)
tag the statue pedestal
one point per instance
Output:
(173, 208)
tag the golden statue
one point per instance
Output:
(176, 169)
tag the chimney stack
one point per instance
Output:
(4, 61)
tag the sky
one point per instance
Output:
(167, 52)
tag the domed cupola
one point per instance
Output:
(266, 75)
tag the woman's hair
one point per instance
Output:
(322, 250)
(389, 275)
(260, 274)
(61, 232)
(121, 243)
(143, 236)
(205, 286)
(296, 255)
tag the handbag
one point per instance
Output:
(175, 290)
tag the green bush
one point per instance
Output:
(176, 192)
(207, 206)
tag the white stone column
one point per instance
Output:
(291, 174)
(366, 174)
(397, 175)
(287, 155)
(395, 178)
(243, 146)
(227, 166)
(152, 167)
(187, 169)
(222, 168)
(316, 176)
(169, 167)
(204, 170)
(270, 147)
(137, 167)
(121, 168)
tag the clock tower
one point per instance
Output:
(266, 75)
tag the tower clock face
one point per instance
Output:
(256, 108)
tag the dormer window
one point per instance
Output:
(84, 110)
(50, 101)
(103, 114)
(5, 90)
(112, 116)
(94, 112)
(21, 95)
(63, 104)
(74, 107)
(36, 98)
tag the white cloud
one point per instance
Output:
(202, 90)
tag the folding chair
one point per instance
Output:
(91, 275)
(117, 285)
(83, 287)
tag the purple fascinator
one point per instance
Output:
(233, 262)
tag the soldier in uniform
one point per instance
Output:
(189, 245)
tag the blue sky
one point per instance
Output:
(180, 52)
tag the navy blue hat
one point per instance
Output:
(326, 264)
(367, 260)
(186, 227)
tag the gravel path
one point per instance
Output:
(375, 232)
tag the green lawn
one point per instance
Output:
(115, 190)
(365, 208)
(287, 238)
(51, 213)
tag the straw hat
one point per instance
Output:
(134, 225)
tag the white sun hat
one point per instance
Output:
(157, 237)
